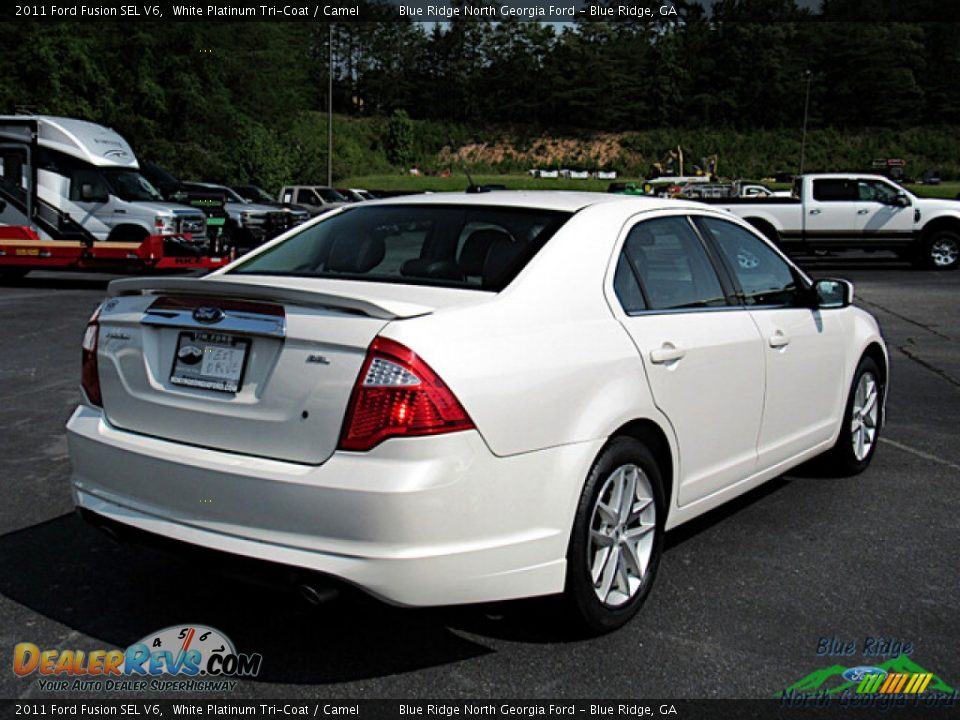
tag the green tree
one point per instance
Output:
(400, 138)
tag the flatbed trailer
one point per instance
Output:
(23, 250)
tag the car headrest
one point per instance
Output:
(348, 255)
(474, 250)
(641, 236)
(501, 261)
(427, 268)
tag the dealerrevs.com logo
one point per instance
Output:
(202, 658)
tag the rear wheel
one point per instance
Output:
(128, 233)
(862, 419)
(617, 536)
(766, 229)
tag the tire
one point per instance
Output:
(624, 578)
(13, 273)
(766, 229)
(940, 250)
(236, 238)
(847, 457)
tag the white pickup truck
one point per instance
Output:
(847, 211)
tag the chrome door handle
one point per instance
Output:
(862, 212)
(779, 339)
(668, 353)
(815, 212)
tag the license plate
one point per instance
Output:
(212, 361)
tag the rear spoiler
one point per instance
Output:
(386, 310)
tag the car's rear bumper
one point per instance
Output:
(416, 521)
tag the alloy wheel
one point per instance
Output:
(863, 421)
(621, 535)
(944, 251)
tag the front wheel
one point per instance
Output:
(940, 250)
(13, 273)
(862, 419)
(617, 536)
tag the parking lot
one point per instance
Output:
(743, 598)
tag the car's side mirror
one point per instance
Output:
(831, 294)
(88, 194)
(901, 200)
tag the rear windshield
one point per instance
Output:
(454, 246)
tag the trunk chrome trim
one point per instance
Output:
(234, 321)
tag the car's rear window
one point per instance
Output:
(455, 246)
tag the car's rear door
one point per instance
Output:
(803, 347)
(702, 353)
(830, 209)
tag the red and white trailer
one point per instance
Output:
(23, 250)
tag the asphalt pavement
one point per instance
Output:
(744, 596)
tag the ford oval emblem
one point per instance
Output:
(856, 674)
(208, 314)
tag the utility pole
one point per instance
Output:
(330, 108)
(808, 78)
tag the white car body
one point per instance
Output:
(857, 210)
(548, 370)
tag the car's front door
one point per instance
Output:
(881, 214)
(102, 211)
(702, 355)
(309, 199)
(804, 348)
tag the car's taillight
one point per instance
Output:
(397, 394)
(89, 377)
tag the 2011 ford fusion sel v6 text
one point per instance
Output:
(462, 398)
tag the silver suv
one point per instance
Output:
(315, 198)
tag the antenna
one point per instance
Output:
(471, 188)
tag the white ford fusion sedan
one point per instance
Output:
(462, 398)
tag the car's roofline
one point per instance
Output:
(559, 200)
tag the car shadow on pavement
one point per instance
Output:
(74, 281)
(71, 573)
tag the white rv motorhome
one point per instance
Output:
(76, 180)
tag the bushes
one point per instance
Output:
(362, 147)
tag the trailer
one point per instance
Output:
(22, 250)
(72, 198)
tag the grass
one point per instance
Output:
(943, 190)
(458, 183)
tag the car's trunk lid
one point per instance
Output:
(246, 367)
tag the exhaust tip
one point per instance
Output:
(317, 596)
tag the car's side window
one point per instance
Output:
(763, 276)
(872, 190)
(79, 178)
(307, 197)
(835, 190)
(669, 267)
(626, 287)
